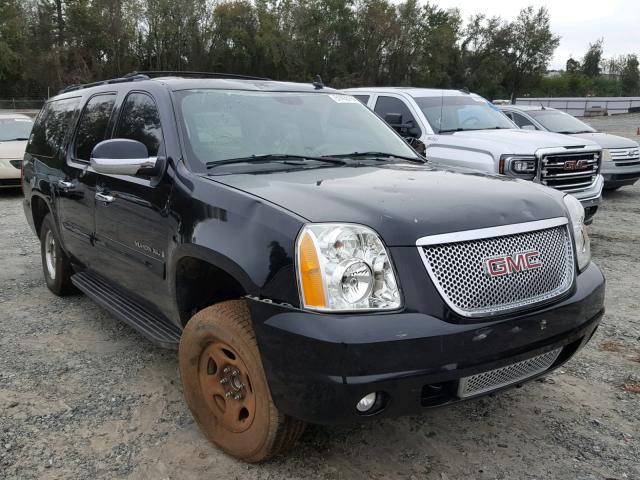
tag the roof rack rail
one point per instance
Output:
(127, 78)
(176, 73)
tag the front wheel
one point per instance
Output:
(225, 385)
(55, 264)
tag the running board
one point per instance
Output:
(153, 325)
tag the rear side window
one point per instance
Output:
(92, 127)
(363, 98)
(139, 120)
(51, 127)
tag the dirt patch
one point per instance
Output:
(84, 396)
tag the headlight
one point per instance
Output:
(606, 155)
(521, 167)
(580, 236)
(344, 267)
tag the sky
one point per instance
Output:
(577, 22)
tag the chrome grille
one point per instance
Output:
(501, 377)
(624, 157)
(457, 269)
(557, 173)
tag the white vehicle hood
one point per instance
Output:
(606, 140)
(513, 141)
(13, 149)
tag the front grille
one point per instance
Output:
(625, 157)
(458, 270)
(570, 172)
(501, 377)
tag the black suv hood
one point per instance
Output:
(402, 202)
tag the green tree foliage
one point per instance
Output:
(592, 59)
(630, 77)
(47, 44)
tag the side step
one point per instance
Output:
(153, 325)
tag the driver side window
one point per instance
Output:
(391, 105)
(140, 120)
(521, 120)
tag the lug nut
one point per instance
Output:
(226, 370)
(223, 381)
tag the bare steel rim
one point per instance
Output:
(50, 255)
(226, 387)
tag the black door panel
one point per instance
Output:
(77, 188)
(131, 219)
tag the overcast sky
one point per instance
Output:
(577, 22)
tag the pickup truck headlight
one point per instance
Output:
(581, 240)
(518, 166)
(344, 267)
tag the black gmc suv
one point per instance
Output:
(309, 265)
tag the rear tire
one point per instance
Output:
(226, 388)
(55, 264)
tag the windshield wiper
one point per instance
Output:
(376, 154)
(15, 139)
(471, 129)
(268, 157)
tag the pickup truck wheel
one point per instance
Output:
(56, 265)
(225, 385)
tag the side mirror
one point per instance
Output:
(120, 156)
(393, 119)
(528, 127)
(417, 144)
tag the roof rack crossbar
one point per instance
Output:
(126, 78)
(176, 73)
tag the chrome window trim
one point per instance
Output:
(500, 231)
(492, 232)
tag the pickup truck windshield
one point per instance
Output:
(560, 122)
(457, 113)
(15, 129)
(221, 125)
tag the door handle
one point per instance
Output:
(103, 197)
(64, 185)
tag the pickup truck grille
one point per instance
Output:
(625, 157)
(570, 172)
(459, 271)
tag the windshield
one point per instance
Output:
(560, 122)
(229, 124)
(15, 129)
(457, 113)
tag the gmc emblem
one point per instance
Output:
(575, 165)
(508, 264)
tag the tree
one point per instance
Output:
(630, 77)
(573, 66)
(530, 48)
(592, 59)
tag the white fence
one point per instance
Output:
(576, 106)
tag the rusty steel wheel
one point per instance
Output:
(225, 386)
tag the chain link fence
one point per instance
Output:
(28, 106)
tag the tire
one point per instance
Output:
(226, 388)
(55, 264)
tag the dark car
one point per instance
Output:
(309, 265)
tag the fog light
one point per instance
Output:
(367, 402)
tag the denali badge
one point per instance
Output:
(508, 264)
(575, 165)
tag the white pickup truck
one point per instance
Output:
(463, 129)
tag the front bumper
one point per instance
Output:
(9, 173)
(319, 365)
(615, 176)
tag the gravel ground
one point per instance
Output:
(84, 396)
